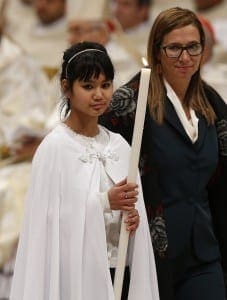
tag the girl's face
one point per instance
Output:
(90, 98)
(180, 69)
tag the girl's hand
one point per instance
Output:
(132, 221)
(123, 196)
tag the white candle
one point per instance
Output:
(132, 175)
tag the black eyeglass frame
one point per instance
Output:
(182, 49)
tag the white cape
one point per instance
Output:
(62, 253)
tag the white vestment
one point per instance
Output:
(125, 64)
(25, 100)
(62, 253)
(24, 108)
(215, 74)
(25, 105)
(43, 42)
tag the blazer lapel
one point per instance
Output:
(172, 118)
(202, 131)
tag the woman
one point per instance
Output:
(68, 245)
(184, 144)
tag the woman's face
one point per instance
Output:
(179, 70)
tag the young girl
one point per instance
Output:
(68, 245)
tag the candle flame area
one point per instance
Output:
(144, 61)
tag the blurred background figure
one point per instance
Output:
(212, 71)
(100, 26)
(18, 13)
(208, 5)
(216, 12)
(99, 30)
(210, 37)
(160, 5)
(134, 19)
(44, 36)
(24, 92)
(24, 108)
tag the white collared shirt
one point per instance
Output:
(190, 125)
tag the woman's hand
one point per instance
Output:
(123, 196)
(132, 221)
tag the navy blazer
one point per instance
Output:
(175, 173)
(184, 170)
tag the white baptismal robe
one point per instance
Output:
(62, 252)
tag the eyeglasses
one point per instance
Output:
(175, 50)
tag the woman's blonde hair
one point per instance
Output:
(167, 21)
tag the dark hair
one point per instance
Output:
(84, 61)
(86, 64)
(144, 2)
